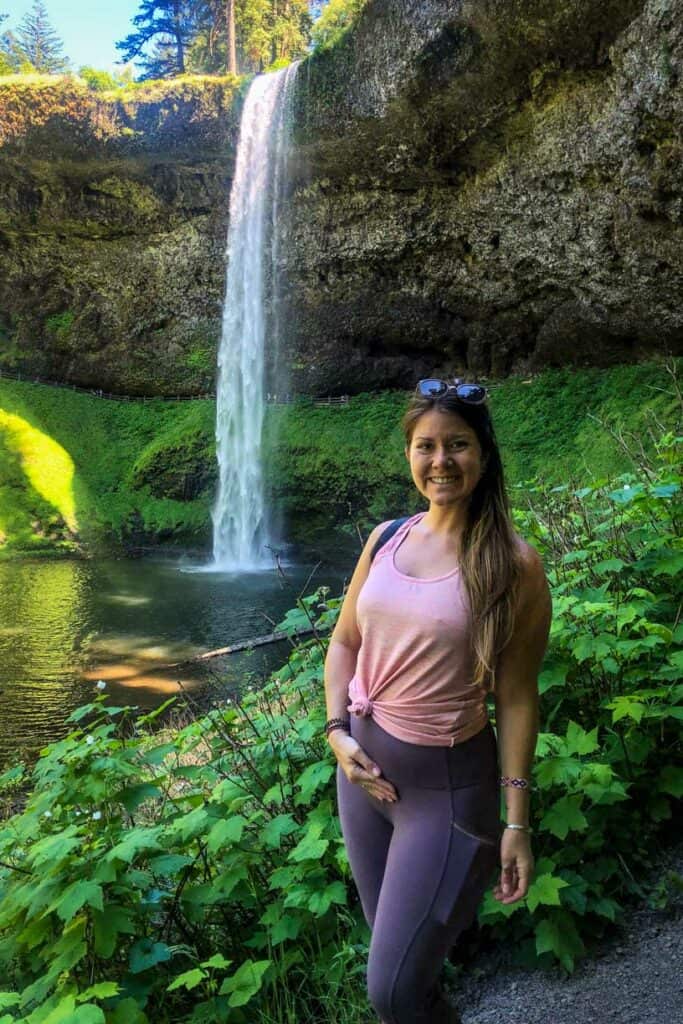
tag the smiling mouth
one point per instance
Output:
(442, 479)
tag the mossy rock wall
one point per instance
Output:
(113, 220)
(489, 187)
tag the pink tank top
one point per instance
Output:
(414, 666)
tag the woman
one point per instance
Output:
(453, 606)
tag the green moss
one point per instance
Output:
(347, 462)
(102, 440)
(78, 470)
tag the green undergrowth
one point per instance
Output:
(97, 447)
(200, 874)
(97, 473)
(347, 462)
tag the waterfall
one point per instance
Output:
(240, 523)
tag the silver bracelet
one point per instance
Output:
(521, 828)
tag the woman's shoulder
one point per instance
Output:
(531, 564)
(533, 583)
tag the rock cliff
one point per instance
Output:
(487, 186)
(113, 219)
(474, 185)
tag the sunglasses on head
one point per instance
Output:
(432, 387)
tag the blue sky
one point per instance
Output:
(88, 28)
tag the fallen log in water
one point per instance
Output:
(243, 645)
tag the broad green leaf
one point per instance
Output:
(87, 1014)
(169, 863)
(554, 675)
(309, 849)
(490, 909)
(283, 877)
(579, 741)
(75, 896)
(564, 816)
(559, 936)
(127, 1012)
(132, 796)
(11, 776)
(70, 948)
(136, 841)
(55, 847)
(108, 925)
(8, 999)
(281, 825)
(671, 780)
(605, 907)
(557, 771)
(609, 565)
(315, 775)
(102, 990)
(217, 960)
(320, 902)
(298, 895)
(669, 565)
(612, 793)
(245, 982)
(224, 832)
(287, 927)
(595, 648)
(191, 824)
(157, 754)
(545, 889)
(146, 953)
(626, 707)
(61, 1012)
(188, 980)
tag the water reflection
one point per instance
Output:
(67, 624)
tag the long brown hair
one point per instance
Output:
(490, 561)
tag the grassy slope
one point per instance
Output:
(340, 463)
(103, 439)
(348, 461)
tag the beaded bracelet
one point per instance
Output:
(506, 780)
(336, 723)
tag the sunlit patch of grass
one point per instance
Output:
(48, 467)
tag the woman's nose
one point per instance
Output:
(441, 457)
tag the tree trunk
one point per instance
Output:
(232, 46)
(179, 48)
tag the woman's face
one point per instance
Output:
(445, 457)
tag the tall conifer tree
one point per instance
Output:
(39, 42)
(170, 26)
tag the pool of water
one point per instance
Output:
(66, 624)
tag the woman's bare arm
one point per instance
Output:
(516, 702)
(340, 664)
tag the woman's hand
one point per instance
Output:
(358, 767)
(517, 866)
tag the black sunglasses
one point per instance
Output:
(472, 394)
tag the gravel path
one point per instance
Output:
(634, 977)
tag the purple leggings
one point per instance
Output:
(422, 864)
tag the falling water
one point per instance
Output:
(240, 526)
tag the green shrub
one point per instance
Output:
(60, 325)
(202, 876)
(337, 18)
(97, 80)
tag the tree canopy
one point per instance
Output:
(37, 42)
(169, 25)
(211, 36)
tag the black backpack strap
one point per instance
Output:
(386, 534)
